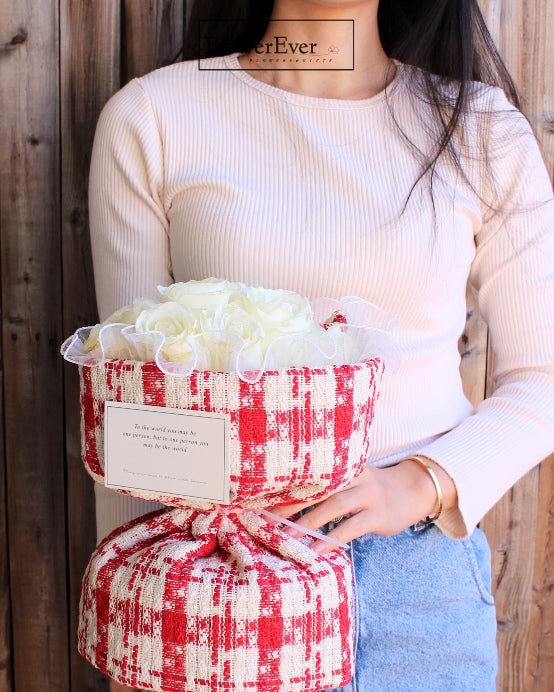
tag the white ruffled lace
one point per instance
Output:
(363, 331)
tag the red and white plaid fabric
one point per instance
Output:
(296, 434)
(203, 599)
(198, 602)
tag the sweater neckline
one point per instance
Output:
(232, 63)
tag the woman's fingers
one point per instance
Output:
(287, 511)
(349, 529)
(341, 504)
(382, 501)
(352, 526)
(335, 507)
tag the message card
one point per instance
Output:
(168, 451)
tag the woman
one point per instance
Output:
(384, 181)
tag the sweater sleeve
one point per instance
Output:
(128, 224)
(513, 272)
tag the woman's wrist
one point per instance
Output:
(433, 483)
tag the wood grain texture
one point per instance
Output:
(31, 332)
(540, 664)
(545, 98)
(6, 670)
(89, 76)
(511, 529)
(7, 43)
(520, 527)
(153, 34)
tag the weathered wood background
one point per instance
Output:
(59, 62)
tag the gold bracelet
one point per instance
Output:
(432, 517)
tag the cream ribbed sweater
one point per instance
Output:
(210, 172)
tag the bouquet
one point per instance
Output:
(203, 595)
(220, 325)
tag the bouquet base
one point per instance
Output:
(191, 601)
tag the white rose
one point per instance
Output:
(207, 294)
(129, 313)
(171, 319)
(225, 332)
(126, 315)
(232, 318)
(176, 349)
(279, 312)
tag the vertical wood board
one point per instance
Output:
(540, 664)
(519, 527)
(31, 295)
(153, 34)
(6, 671)
(5, 607)
(89, 75)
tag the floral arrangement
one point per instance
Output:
(225, 326)
(199, 595)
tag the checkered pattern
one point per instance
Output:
(203, 599)
(296, 434)
(163, 608)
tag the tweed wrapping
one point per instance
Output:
(205, 602)
(296, 434)
(203, 599)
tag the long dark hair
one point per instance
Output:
(447, 40)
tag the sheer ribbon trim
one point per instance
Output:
(353, 331)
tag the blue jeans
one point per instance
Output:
(425, 617)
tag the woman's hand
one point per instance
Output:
(382, 501)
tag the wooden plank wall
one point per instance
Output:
(31, 291)
(90, 73)
(520, 527)
(59, 62)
